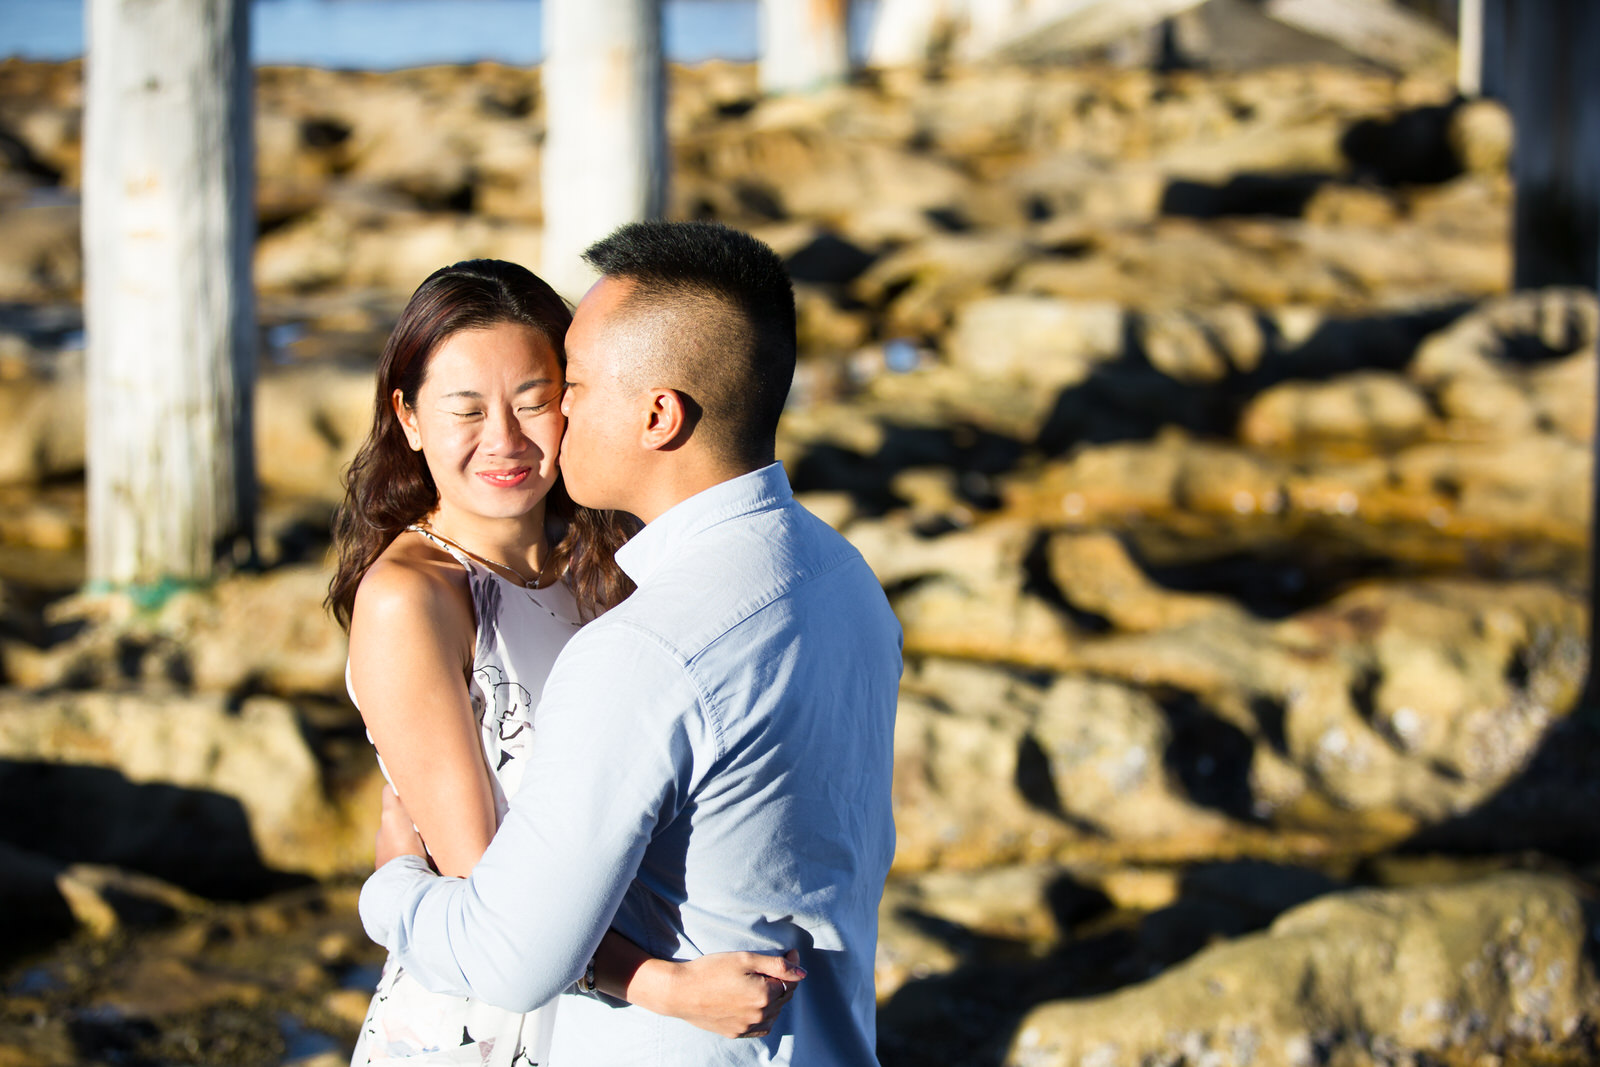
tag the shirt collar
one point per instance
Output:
(759, 490)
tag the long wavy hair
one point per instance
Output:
(388, 486)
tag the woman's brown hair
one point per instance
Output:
(388, 487)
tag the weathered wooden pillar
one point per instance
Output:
(1552, 89)
(168, 227)
(1469, 53)
(605, 151)
(906, 31)
(804, 44)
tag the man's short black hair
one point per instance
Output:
(728, 335)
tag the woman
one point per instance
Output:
(464, 567)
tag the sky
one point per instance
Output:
(386, 34)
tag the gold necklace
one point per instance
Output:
(527, 583)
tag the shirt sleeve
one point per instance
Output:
(620, 739)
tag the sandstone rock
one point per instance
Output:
(1465, 677)
(1517, 504)
(1488, 340)
(935, 922)
(936, 275)
(1486, 492)
(1481, 134)
(1348, 205)
(1067, 185)
(44, 258)
(949, 812)
(247, 632)
(1203, 346)
(1311, 145)
(363, 241)
(1105, 748)
(1044, 341)
(906, 951)
(824, 327)
(104, 899)
(980, 557)
(180, 787)
(995, 622)
(1359, 978)
(267, 630)
(48, 519)
(309, 423)
(783, 170)
(1563, 395)
(1473, 206)
(43, 436)
(1096, 575)
(995, 768)
(1370, 412)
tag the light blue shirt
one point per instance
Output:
(710, 771)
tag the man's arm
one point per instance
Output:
(619, 739)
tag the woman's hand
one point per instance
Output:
(397, 835)
(734, 994)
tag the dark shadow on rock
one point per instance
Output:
(970, 1015)
(1039, 582)
(1270, 195)
(966, 449)
(1550, 807)
(829, 260)
(1210, 756)
(33, 913)
(1129, 399)
(196, 839)
(1278, 581)
(1410, 148)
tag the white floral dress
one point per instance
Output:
(520, 632)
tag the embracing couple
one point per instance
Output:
(650, 769)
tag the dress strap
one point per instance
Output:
(440, 543)
(483, 587)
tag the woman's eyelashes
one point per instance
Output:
(522, 410)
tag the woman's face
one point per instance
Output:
(488, 420)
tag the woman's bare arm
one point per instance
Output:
(735, 994)
(411, 639)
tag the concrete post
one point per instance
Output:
(804, 44)
(168, 227)
(605, 154)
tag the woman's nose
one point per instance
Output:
(502, 433)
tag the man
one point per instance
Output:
(712, 759)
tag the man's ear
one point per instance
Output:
(408, 420)
(670, 418)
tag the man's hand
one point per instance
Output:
(397, 835)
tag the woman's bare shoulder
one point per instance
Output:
(413, 578)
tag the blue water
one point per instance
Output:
(389, 34)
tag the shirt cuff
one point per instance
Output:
(384, 893)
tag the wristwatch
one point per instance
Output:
(586, 982)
